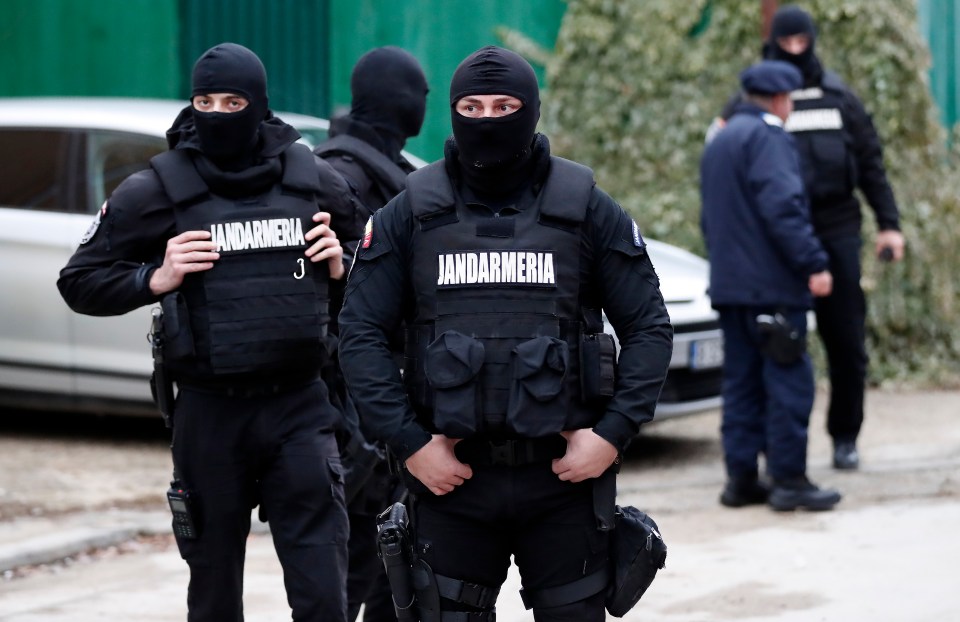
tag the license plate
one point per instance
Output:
(706, 353)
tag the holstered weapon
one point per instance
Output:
(782, 342)
(161, 385)
(396, 550)
(605, 497)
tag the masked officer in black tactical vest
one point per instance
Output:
(229, 229)
(389, 98)
(508, 417)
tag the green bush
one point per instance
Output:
(633, 85)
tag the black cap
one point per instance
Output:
(770, 77)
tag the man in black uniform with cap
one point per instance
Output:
(765, 266)
(229, 231)
(840, 151)
(389, 99)
(508, 417)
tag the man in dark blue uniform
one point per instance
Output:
(388, 103)
(508, 416)
(764, 265)
(229, 231)
(840, 151)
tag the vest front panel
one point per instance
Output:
(494, 348)
(263, 307)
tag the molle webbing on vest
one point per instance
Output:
(264, 304)
(515, 295)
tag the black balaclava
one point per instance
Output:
(495, 152)
(229, 139)
(389, 94)
(792, 20)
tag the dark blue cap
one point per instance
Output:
(770, 77)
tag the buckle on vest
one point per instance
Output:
(503, 453)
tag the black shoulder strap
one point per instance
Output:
(430, 192)
(300, 170)
(387, 175)
(566, 194)
(184, 185)
(179, 176)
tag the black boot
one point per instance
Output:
(799, 493)
(741, 491)
(845, 456)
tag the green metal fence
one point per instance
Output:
(79, 47)
(939, 21)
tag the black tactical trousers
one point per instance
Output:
(547, 525)
(278, 450)
(841, 319)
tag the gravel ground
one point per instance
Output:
(723, 564)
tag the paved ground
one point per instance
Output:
(886, 554)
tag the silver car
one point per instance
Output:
(60, 158)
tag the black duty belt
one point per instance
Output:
(251, 389)
(510, 452)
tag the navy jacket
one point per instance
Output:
(755, 218)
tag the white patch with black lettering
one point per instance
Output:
(812, 120)
(496, 269)
(253, 235)
(92, 229)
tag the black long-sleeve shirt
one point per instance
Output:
(379, 297)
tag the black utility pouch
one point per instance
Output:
(452, 367)
(598, 366)
(638, 551)
(780, 340)
(537, 405)
(178, 336)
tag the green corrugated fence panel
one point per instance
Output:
(939, 23)
(440, 33)
(289, 36)
(79, 47)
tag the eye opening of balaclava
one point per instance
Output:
(792, 20)
(389, 92)
(492, 146)
(230, 137)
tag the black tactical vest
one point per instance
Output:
(263, 307)
(385, 173)
(824, 144)
(494, 348)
